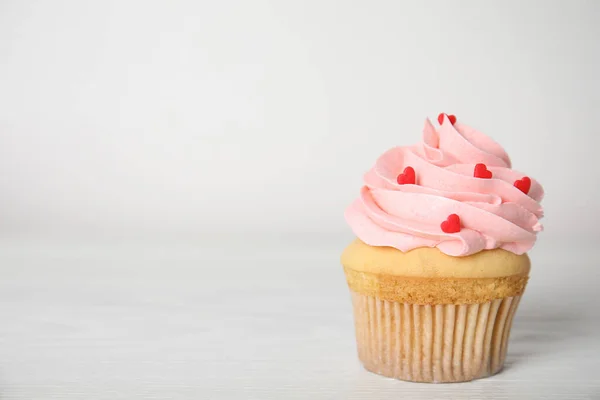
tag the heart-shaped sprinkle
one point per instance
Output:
(451, 224)
(523, 184)
(407, 177)
(451, 118)
(481, 171)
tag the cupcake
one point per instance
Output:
(439, 264)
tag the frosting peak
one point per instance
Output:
(493, 212)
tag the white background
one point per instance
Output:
(194, 158)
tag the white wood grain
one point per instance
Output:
(115, 321)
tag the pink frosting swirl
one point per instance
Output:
(493, 212)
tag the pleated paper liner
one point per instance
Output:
(433, 343)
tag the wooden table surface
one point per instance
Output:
(251, 321)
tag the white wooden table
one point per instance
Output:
(251, 321)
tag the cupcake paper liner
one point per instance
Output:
(433, 343)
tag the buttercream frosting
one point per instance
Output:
(493, 212)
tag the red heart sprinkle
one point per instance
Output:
(523, 184)
(451, 118)
(451, 224)
(407, 177)
(481, 171)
